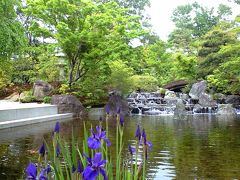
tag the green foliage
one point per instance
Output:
(226, 78)
(184, 67)
(209, 55)
(144, 82)
(120, 78)
(12, 37)
(28, 97)
(5, 72)
(23, 71)
(47, 99)
(87, 32)
(162, 91)
(64, 89)
(48, 68)
(192, 22)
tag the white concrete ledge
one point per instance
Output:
(16, 111)
(26, 121)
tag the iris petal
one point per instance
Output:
(97, 158)
(108, 142)
(94, 143)
(103, 172)
(31, 171)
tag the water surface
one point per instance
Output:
(189, 147)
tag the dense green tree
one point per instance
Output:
(133, 6)
(12, 33)
(192, 21)
(86, 32)
(12, 38)
(226, 77)
(209, 57)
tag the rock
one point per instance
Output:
(184, 96)
(220, 98)
(197, 108)
(180, 108)
(205, 100)
(170, 95)
(13, 97)
(226, 109)
(197, 89)
(171, 101)
(233, 99)
(69, 104)
(41, 89)
(117, 101)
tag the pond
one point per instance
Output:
(190, 147)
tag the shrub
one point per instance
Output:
(47, 99)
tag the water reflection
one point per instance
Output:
(187, 147)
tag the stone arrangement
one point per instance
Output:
(196, 102)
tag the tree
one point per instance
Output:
(12, 38)
(209, 57)
(87, 32)
(12, 33)
(192, 21)
(135, 7)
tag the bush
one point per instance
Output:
(28, 97)
(47, 99)
(144, 82)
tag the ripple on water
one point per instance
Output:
(162, 166)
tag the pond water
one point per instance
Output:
(190, 147)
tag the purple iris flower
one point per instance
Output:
(44, 172)
(131, 149)
(79, 167)
(138, 133)
(146, 142)
(95, 166)
(42, 150)
(118, 110)
(57, 127)
(94, 142)
(58, 150)
(32, 172)
(107, 109)
(121, 120)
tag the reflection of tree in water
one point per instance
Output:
(194, 146)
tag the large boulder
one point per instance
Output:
(226, 109)
(205, 100)
(180, 108)
(233, 99)
(117, 101)
(197, 89)
(41, 89)
(69, 104)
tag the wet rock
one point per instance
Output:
(233, 99)
(41, 89)
(220, 98)
(117, 101)
(197, 108)
(170, 95)
(69, 104)
(226, 109)
(205, 100)
(197, 89)
(184, 96)
(180, 108)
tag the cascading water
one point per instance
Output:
(145, 103)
